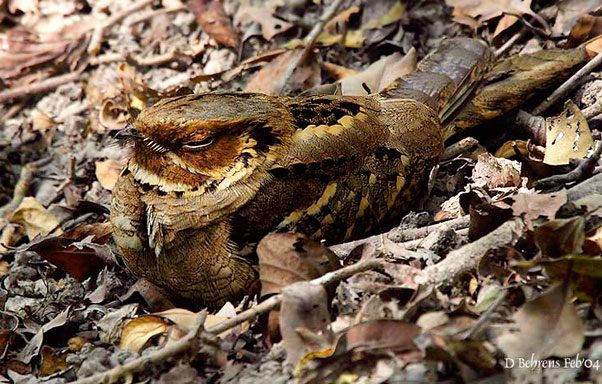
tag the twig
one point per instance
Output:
(458, 148)
(593, 110)
(274, 301)
(467, 258)
(6, 238)
(155, 13)
(568, 85)
(511, 41)
(401, 236)
(25, 179)
(484, 319)
(533, 126)
(97, 34)
(40, 86)
(582, 172)
(186, 343)
(309, 41)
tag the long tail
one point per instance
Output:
(447, 77)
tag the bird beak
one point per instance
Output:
(127, 134)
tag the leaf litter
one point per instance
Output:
(444, 300)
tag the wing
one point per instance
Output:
(331, 127)
(337, 181)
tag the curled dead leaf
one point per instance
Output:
(32, 215)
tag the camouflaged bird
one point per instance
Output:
(213, 173)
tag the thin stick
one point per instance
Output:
(467, 258)
(186, 343)
(568, 85)
(584, 170)
(25, 179)
(40, 86)
(458, 148)
(97, 34)
(309, 41)
(400, 236)
(484, 319)
(511, 41)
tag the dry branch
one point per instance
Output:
(467, 258)
(582, 172)
(400, 236)
(568, 86)
(309, 41)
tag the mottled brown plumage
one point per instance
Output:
(213, 173)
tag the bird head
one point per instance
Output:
(207, 138)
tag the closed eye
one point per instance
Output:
(197, 144)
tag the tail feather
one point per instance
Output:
(446, 78)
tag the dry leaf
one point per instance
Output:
(487, 10)
(569, 12)
(34, 217)
(52, 362)
(82, 252)
(376, 19)
(270, 25)
(496, 172)
(568, 137)
(41, 121)
(285, 258)
(338, 71)
(594, 46)
(304, 306)
(533, 205)
(107, 172)
(137, 332)
(212, 18)
(268, 80)
(547, 326)
(560, 237)
(380, 74)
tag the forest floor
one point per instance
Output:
(494, 276)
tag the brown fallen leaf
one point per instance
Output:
(303, 311)
(570, 11)
(496, 172)
(533, 205)
(212, 18)
(396, 337)
(270, 25)
(107, 172)
(34, 217)
(268, 79)
(547, 326)
(560, 237)
(80, 253)
(137, 332)
(286, 258)
(482, 11)
(52, 361)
